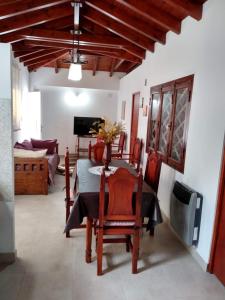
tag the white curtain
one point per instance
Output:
(16, 94)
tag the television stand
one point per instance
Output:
(78, 148)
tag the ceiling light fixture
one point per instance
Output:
(75, 69)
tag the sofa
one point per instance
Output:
(35, 164)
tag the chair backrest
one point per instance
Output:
(136, 153)
(97, 150)
(121, 142)
(120, 206)
(67, 174)
(152, 171)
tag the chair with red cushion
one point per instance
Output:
(97, 150)
(120, 217)
(135, 156)
(118, 153)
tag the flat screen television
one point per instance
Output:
(82, 125)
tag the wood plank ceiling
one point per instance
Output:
(115, 33)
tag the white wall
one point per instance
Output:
(7, 231)
(60, 105)
(31, 118)
(198, 50)
(48, 77)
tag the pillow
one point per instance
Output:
(45, 144)
(27, 145)
(29, 153)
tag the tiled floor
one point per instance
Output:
(51, 267)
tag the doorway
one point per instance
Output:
(134, 119)
(217, 259)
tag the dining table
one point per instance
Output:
(86, 202)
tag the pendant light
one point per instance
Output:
(75, 69)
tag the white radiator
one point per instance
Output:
(185, 213)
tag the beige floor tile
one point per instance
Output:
(50, 266)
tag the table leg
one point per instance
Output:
(88, 239)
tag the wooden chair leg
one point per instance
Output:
(128, 243)
(99, 251)
(88, 240)
(135, 252)
(67, 210)
(152, 231)
(67, 215)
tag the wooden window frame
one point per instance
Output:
(173, 87)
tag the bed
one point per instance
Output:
(33, 175)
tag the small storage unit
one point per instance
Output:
(185, 213)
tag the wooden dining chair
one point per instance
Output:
(152, 171)
(97, 150)
(134, 157)
(70, 191)
(118, 152)
(120, 218)
(69, 199)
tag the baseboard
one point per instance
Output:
(191, 250)
(7, 258)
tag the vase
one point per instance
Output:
(108, 156)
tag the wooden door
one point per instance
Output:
(134, 119)
(217, 260)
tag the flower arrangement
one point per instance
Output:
(107, 131)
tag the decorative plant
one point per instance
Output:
(107, 131)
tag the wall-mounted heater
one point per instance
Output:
(185, 213)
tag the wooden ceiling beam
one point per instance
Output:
(95, 66)
(124, 56)
(119, 29)
(38, 54)
(64, 36)
(90, 53)
(94, 28)
(112, 66)
(25, 6)
(20, 46)
(44, 57)
(67, 46)
(118, 53)
(39, 65)
(25, 53)
(57, 66)
(143, 9)
(85, 39)
(58, 24)
(190, 8)
(13, 36)
(120, 62)
(129, 67)
(34, 18)
(48, 60)
(122, 16)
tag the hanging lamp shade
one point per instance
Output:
(75, 72)
(75, 69)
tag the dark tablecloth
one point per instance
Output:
(87, 199)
